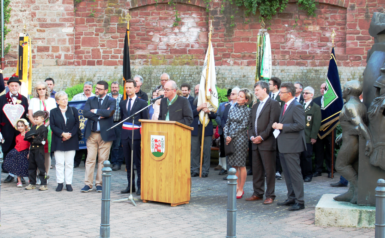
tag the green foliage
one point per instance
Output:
(78, 88)
(92, 13)
(222, 92)
(7, 15)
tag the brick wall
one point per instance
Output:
(92, 34)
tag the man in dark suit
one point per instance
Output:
(196, 138)
(291, 142)
(274, 86)
(323, 147)
(174, 108)
(263, 115)
(8, 131)
(313, 123)
(129, 107)
(99, 112)
(298, 92)
(186, 90)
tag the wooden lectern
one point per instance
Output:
(166, 152)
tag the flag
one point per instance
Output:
(263, 66)
(207, 88)
(24, 64)
(332, 102)
(126, 59)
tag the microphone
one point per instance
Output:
(161, 96)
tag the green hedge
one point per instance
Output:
(72, 91)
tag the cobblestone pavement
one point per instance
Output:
(64, 214)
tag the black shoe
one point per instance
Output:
(8, 179)
(59, 187)
(338, 184)
(22, 180)
(316, 174)
(286, 203)
(205, 175)
(194, 174)
(307, 179)
(127, 190)
(76, 165)
(329, 175)
(225, 178)
(296, 207)
(250, 172)
(69, 188)
(116, 167)
(223, 171)
(138, 192)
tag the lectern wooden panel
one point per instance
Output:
(166, 151)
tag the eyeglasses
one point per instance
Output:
(99, 89)
(41, 89)
(164, 80)
(233, 94)
(168, 90)
(280, 92)
(307, 93)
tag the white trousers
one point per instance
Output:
(64, 159)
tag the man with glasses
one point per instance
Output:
(313, 123)
(116, 160)
(163, 80)
(87, 92)
(99, 111)
(174, 108)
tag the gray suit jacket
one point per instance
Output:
(268, 115)
(179, 111)
(292, 137)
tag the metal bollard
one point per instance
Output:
(380, 209)
(106, 200)
(231, 203)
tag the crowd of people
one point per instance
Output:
(276, 126)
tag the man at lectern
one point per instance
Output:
(129, 107)
(174, 108)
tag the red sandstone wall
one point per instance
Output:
(297, 40)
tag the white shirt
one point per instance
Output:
(274, 95)
(288, 103)
(81, 97)
(132, 101)
(297, 98)
(260, 107)
(307, 104)
(36, 105)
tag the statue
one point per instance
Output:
(376, 115)
(352, 118)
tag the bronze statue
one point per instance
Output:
(352, 118)
(376, 115)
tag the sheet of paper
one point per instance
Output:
(276, 133)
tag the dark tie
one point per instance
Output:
(13, 95)
(129, 106)
(95, 124)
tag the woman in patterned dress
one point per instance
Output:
(17, 159)
(236, 133)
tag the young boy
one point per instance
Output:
(36, 152)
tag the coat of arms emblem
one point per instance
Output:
(158, 145)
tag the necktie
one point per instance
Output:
(304, 105)
(256, 118)
(284, 109)
(100, 103)
(129, 106)
(13, 95)
(95, 124)
(296, 99)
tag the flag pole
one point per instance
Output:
(2, 35)
(204, 118)
(333, 135)
(128, 18)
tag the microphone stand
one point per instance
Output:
(131, 198)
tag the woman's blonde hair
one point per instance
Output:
(47, 90)
(248, 94)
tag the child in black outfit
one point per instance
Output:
(36, 153)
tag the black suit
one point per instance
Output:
(191, 100)
(264, 153)
(58, 126)
(106, 122)
(278, 166)
(323, 148)
(142, 95)
(136, 106)
(179, 111)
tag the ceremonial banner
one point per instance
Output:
(79, 105)
(24, 65)
(263, 56)
(126, 58)
(332, 102)
(207, 88)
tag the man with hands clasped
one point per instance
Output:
(263, 115)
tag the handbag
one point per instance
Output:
(229, 149)
(80, 135)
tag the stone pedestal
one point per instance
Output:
(367, 178)
(329, 212)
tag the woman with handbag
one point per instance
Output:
(235, 133)
(65, 139)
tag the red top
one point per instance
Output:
(21, 144)
(216, 133)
